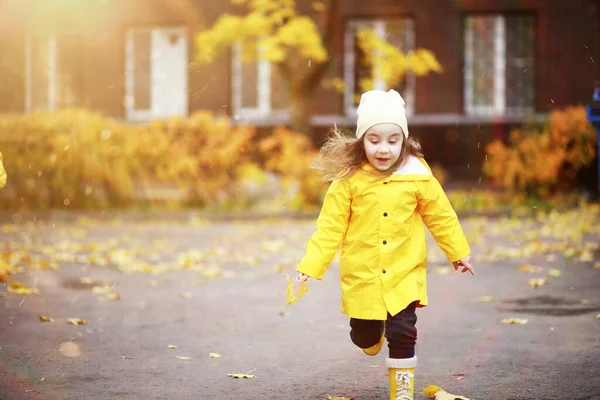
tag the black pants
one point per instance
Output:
(400, 332)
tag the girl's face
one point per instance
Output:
(383, 143)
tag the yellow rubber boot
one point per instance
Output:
(376, 348)
(402, 377)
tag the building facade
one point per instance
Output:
(505, 61)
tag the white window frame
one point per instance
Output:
(499, 106)
(52, 73)
(264, 107)
(135, 114)
(379, 83)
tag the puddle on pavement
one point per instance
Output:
(550, 305)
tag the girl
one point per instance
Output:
(382, 192)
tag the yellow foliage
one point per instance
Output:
(542, 159)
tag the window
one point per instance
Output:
(258, 90)
(399, 32)
(156, 73)
(40, 74)
(499, 64)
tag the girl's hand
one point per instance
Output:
(466, 263)
(303, 278)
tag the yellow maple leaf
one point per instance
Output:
(537, 282)
(517, 321)
(76, 321)
(113, 296)
(437, 393)
(241, 376)
(554, 272)
(45, 319)
(214, 355)
(290, 298)
(172, 346)
(101, 289)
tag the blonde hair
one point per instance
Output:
(343, 154)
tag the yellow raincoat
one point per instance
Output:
(380, 226)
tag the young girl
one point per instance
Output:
(382, 192)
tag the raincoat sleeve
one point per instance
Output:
(331, 228)
(441, 220)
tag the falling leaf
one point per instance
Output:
(518, 321)
(241, 376)
(76, 321)
(290, 291)
(45, 319)
(437, 393)
(537, 282)
(487, 299)
(554, 272)
(172, 346)
(214, 355)
(21, 288)
(183, 358)
(186, 295)
(113, 297)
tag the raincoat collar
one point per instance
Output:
(415, 169)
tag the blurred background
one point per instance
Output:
(222, 105)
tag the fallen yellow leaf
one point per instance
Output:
(290, 291)
(586, 256)
(437, 393)
(529, 268)
(487, 299)
(172, 346)
(113, 296)
(241, 376)
(537, 282)
(183, 358)
(598, 316)
(45, 319)
(21, 288)
(554, 272)
(76, 321)
(214, 355)
(339, 398)
(186, 295)
(101, 289)
(518, 321)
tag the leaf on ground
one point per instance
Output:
(517, 321)
(530, 268)
(290, 298)
(554, 272)
(126, 357)
(551, 257)
(21, 288)
(172, 346)
(339, 398)
(537, 282)
(585, 302)
(241, 376)
(214, 355)
(182, 358)
(86, 280)
(437, 393)
(487, 299)
(76, 321)
(45, 319)
(186, 295)
(586, 256)
(152, 283)
(443, 270)
(113, 297)
(459, 376)
(598, 316)
(101, 289)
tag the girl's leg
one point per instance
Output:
(401, 334)
(365, 333)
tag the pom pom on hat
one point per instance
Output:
(377, 107)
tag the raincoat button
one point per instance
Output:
(385, 214)
(383, 271)
(385, 242)
(385, 183)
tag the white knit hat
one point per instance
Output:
(378, 106)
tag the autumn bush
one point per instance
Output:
(543, 159)
(80, 159)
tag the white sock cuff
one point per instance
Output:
(401, 362)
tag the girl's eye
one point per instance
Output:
(394, 142)
(374, 142)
